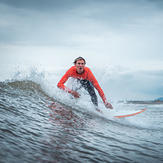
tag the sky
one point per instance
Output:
(122, 37)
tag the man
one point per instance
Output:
(87, 80)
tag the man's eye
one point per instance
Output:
(80, 63)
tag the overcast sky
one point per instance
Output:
(125, 33)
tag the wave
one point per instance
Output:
(35, 88)
(45, 122)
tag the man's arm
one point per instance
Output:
(62, 81)
(93, 80)
(63, 87)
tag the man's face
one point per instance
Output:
(80, 66)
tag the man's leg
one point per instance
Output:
(90, 89)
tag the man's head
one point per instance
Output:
(79, 64)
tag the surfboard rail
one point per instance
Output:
(128, 115)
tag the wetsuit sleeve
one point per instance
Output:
(63, 80)
(93, 80)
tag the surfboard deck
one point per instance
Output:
(128, 115)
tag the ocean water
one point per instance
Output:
(40, 123)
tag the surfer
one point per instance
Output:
(86, 79)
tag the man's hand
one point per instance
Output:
(75, 94)
(108, 105)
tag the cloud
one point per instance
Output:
(73, 22)
(124, 33)
(43, 5)
(124, 84)
(158, 3)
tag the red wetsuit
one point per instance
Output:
(87, 75)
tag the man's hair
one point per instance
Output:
(79, 58)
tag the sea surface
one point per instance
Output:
(37, 125)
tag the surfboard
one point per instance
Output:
(128, 115)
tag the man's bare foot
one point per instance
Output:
(99, 110)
